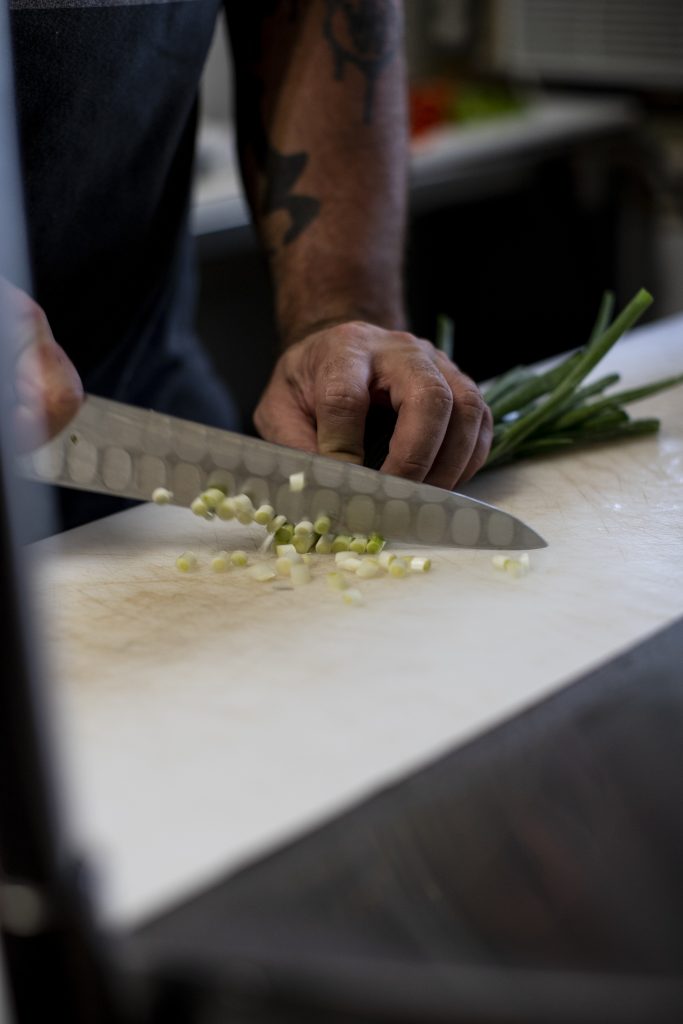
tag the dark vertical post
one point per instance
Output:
(51, 949)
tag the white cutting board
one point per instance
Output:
(208, 718)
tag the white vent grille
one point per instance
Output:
(637, 43)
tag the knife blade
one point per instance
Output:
(126, 451)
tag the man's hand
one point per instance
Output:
(322, 387)
(47, 388)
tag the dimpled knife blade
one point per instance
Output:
(122, 450)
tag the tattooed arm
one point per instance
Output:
(320, 87)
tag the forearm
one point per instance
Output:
(324, 158)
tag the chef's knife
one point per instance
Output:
(126, 451)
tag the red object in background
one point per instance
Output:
(431, 104)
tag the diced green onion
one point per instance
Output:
(269, 538)
(262, 572)
(341, 543)
(212, 497)
(243, 503)
(375, 544)
(359, 544)
(350, 563)
(513, 566)
(352, 596)
(245, 518)
(337, 581)
(283, 565)
(386, 558)
(420, 564)
(303, 542)
(187, 561)
(161, 495)
(225, 509)
(221, 562)
(284, 534)
(297, 481)
(303, 528)
(276, 524)
(323, 545)
(367, 569)
(322, 525)
(300, 574)
(239, 558)
(264, 514)
(398, 567)
(200, 508)
(287, 551)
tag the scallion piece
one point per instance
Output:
(350, 563)
(284, 534)
(398, 568)
(304, 528)
(300, 574)
(288, 551)
(212, 497)
(297, 481)
(262, 572)
(187, 561)
(323, 524)
(264, 514)
(221, 562)
(341, 543)
(324, 543)
(225, 509)
(303, 542)
(337, 581)
(276, 524)
(161, 495)
(240, 558)
(352, 596)
(200, 508)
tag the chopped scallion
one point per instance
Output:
(322, 525)
(264, 515)
(221, 562)
(161, 495)
(262, 572)
(187, 561)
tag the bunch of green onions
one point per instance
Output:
(541, 412)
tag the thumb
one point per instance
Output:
(49, 392)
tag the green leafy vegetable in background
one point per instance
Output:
(541, 412)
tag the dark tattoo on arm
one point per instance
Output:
(282, 172)
(365, 33)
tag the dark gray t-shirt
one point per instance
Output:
(107, 103)
(107, 99)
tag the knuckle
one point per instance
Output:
(416, 466)
(470, 402)
(343, 398)
(436, 394)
